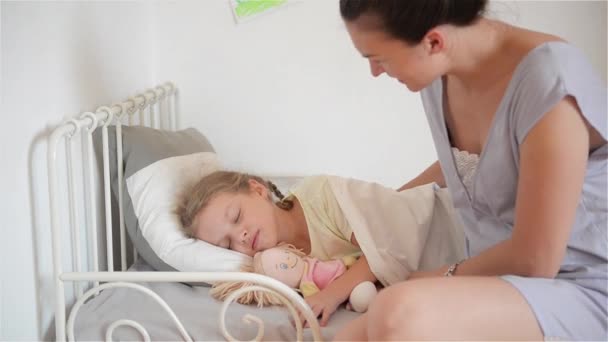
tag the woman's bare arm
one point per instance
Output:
(432, 174)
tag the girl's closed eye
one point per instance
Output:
(238, 216)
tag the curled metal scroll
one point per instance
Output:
(142, 330)
(251, 318)
(127, 322)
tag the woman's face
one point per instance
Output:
(243, 222)
(412, 65)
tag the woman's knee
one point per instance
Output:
(400, 312)
(407, 311)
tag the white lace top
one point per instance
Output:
(466, 164)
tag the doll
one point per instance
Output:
(298, 271)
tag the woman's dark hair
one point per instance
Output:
(410, 20)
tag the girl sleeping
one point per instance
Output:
(327, 218)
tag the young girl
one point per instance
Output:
(235, 211)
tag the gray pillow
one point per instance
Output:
(142, 146)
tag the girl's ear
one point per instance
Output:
(258, 188)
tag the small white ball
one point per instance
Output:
(362, 296)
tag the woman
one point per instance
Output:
(519, 123)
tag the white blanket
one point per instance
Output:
(401, 232)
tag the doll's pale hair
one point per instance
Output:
(194, 199)
(221, 290)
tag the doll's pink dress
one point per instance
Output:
(318, 274)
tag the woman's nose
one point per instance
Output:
(376, 68)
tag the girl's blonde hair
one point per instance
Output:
(197, 197)
(222, 290)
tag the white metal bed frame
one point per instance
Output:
(165, 98)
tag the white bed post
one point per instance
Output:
(60, 306)
(152, 102)
(176, 107)
(106, 186)
(90, 186)
(119, 169)
(72, 193)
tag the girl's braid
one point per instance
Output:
(283, 203)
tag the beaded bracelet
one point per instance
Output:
(452, 269)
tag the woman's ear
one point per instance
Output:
(434, 41)
(258, 188)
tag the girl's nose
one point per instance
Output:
(244, 235)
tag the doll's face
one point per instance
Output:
(283, 265)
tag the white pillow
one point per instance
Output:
(154, 192)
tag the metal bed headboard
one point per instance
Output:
(158, 108)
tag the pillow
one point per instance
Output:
(158, 165)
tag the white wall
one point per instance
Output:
(582, 23)
(285, 93)
(58, 59)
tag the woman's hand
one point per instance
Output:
(432, 174)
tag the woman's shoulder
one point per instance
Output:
(548, 73)
(552, 59)
(522, 44)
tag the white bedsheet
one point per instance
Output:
(401, 232)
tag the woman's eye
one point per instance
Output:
(283, 266)
(238, 216)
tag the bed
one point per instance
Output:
(106, 290)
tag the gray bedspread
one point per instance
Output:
(198, 312)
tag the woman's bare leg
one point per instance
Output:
(355, 330)
(456, 308)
